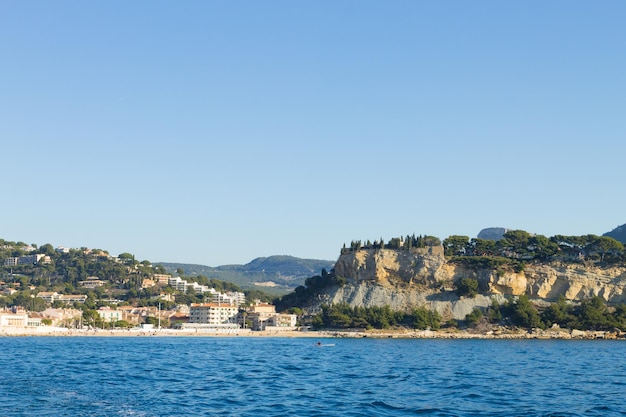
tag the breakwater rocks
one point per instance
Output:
(493, 334)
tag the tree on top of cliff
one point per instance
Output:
(456, 245)
(605, 245)
(405, 243)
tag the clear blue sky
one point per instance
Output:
(214, 132)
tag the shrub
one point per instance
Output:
(424, 319)
(467, 287)
(473, 318)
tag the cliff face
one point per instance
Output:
(395, 267)
(423, 277)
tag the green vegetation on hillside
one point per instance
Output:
(518, 247)
(467, 287)
(592, 314)
(62, 271)
(343, 316)
(286, 271)
(303, 294)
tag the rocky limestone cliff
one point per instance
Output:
(423, 277)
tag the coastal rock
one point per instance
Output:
(508, 283)
(368, 294)
(385, 266)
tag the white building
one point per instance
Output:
(48, 297)
(18, 320)
(234, 298)
(71, 298)
(197, 288)
(280, 322)
(25, 259)
(178, 284)
(238, 297)
(108, 315)
(11, 261)
(214, 314)
(13, 320)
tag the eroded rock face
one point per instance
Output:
(576, 282)
(423, 277)
(388, 266)
(368, 294)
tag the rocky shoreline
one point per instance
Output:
(502, 333)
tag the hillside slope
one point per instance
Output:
(281, 272)
(619, 233)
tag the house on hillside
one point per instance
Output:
(72, 298)
(92, 282)
(161, 279)
(48, 297)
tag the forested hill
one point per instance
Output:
(281, 271)
(619, 233)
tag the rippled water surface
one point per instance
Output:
(167, 376)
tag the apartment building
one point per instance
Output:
(11, 261)
(26, 259)
(212, 313)
(177, 283)
(234, 298)
(50, 297)
(264, 317)
(259, 314)
(280, 322)
(161, 279)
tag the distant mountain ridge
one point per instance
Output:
(279, 272)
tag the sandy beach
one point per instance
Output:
(400, 334)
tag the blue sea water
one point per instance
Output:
(215, 376)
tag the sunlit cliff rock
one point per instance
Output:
(424, 277)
